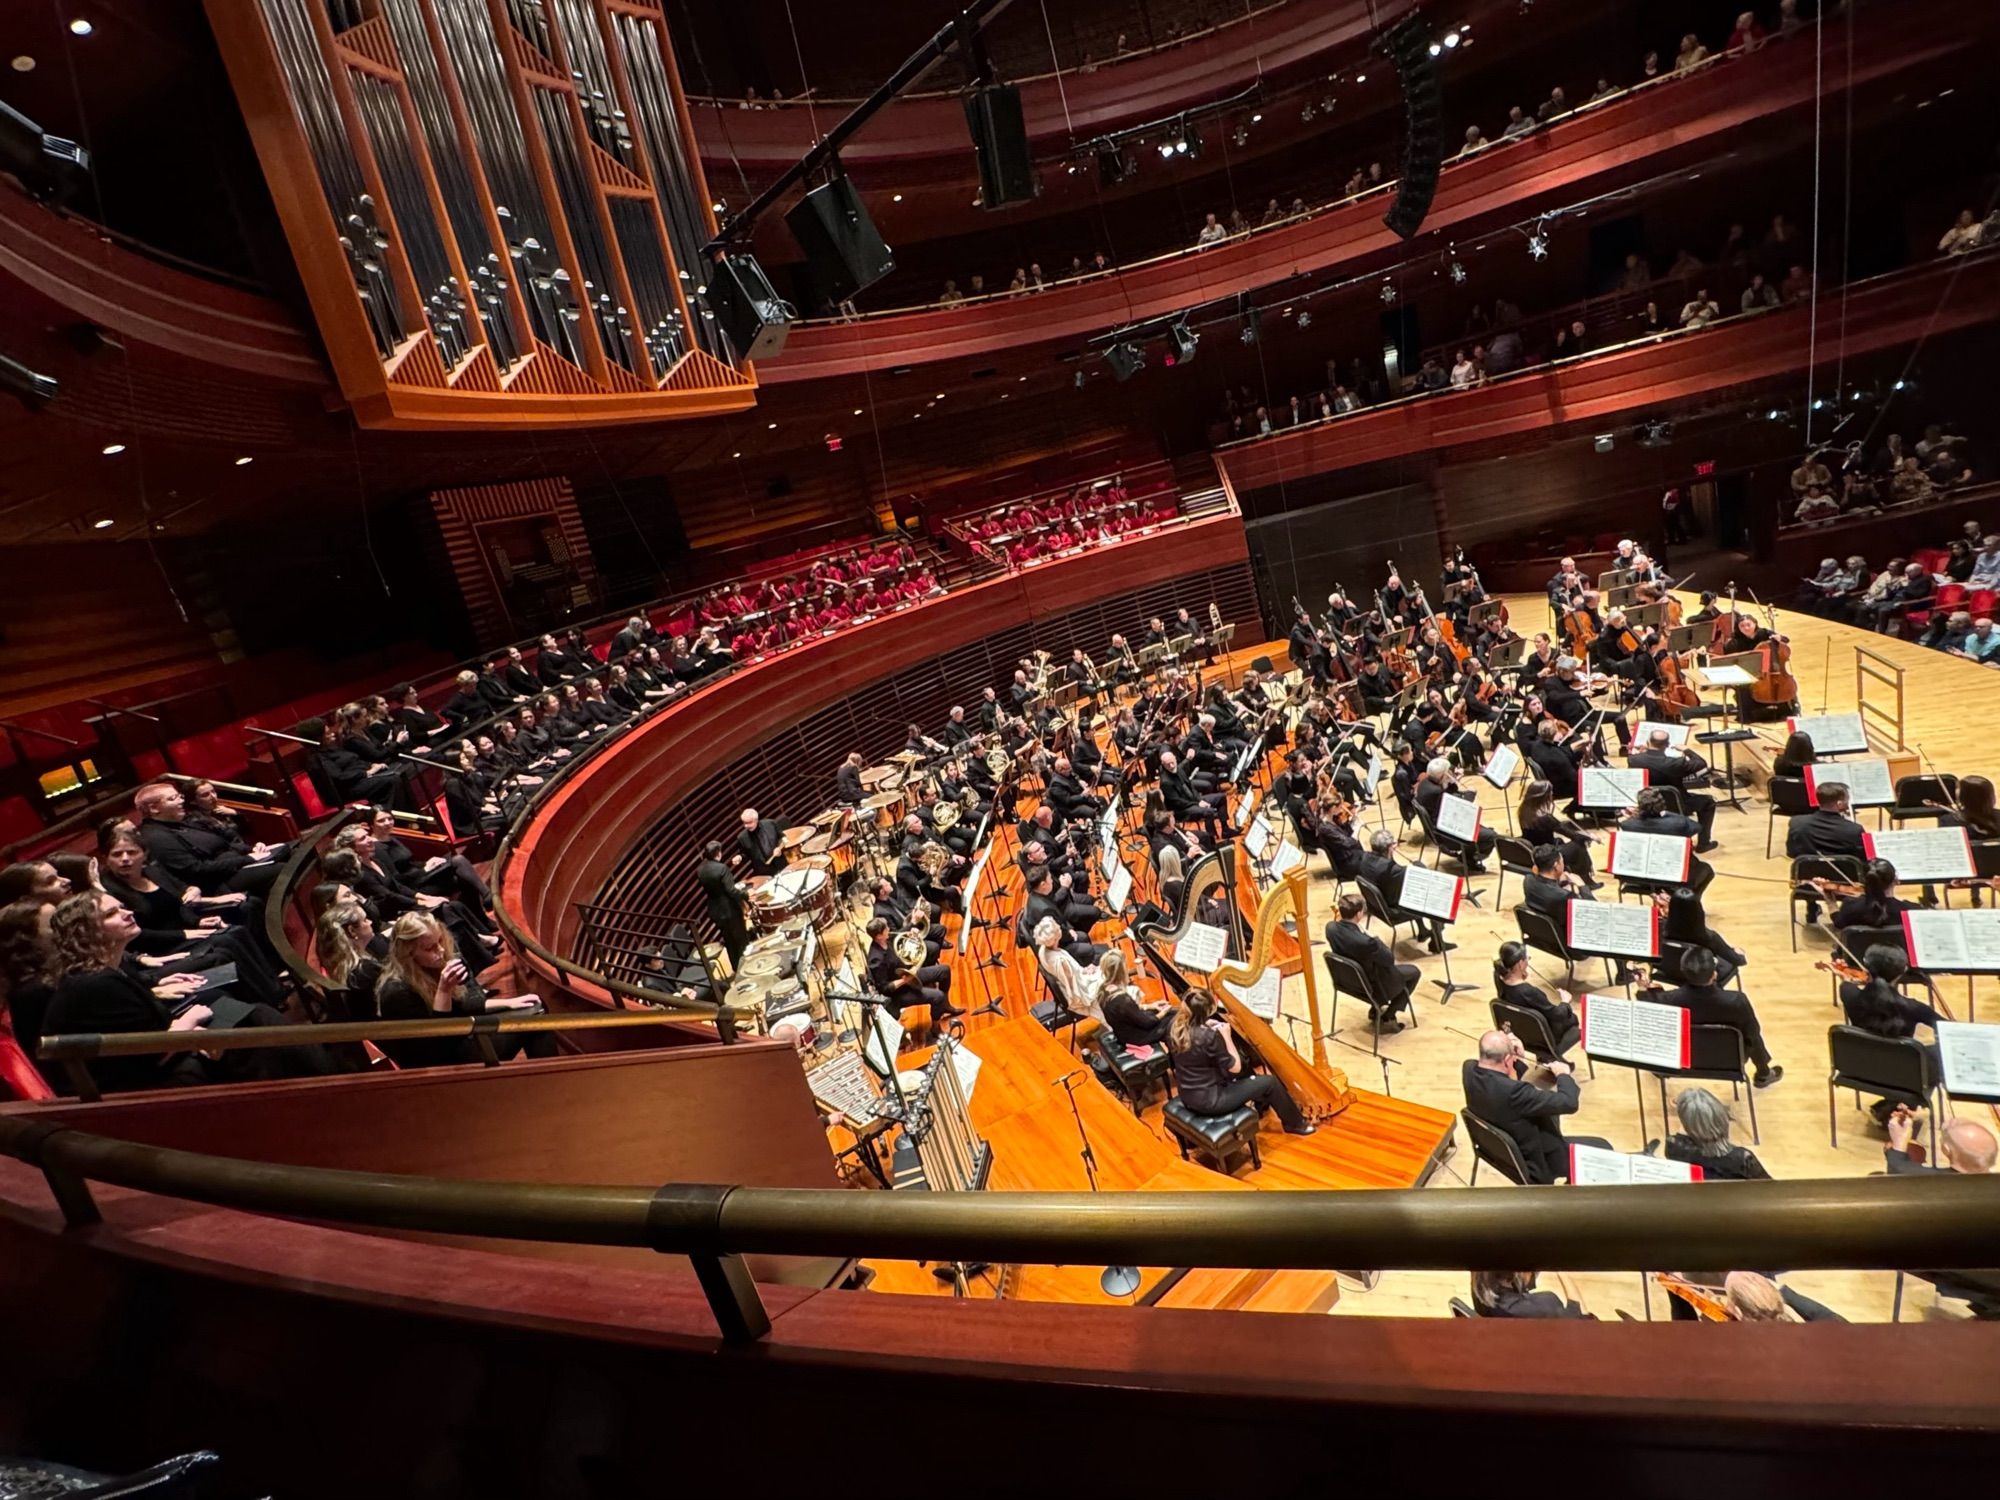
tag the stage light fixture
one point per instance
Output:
(1306, 115)
(102, 523)
(1181, 343)
(1538, 245)
(112, 450)
(81, 27)
(1451, 39)
(1305, 319)
(1436, 49)
(1126, 359)
(1388, 291)
(1114, 164)
(246, 459)
(1458, 273)
(1256, 119)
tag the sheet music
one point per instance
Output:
(1107, 862)
(1202, 947)
(1831, 734)
(1247, 809)
(1458, 817)
(965, 1063)
(1730, 676)
(966, 928)
(1636, 1031)
(1954, 942)
(1501, 765)
(1593, 1166)
(1107, 827)
(1677, 734)
(1374, 777)
(1285, 858)
(885, 1039)
(1971, 1058)
(1257, 838)
(1432, 892)
(841, 1082)
(1924, 853)
(1611, 927)
(1662, 858)
(1121, 884)
(1609, 786)
(1262, 996)
(1867, 781)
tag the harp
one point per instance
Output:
(1320, 1090)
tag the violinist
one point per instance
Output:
(1541, 824)
(1538, 663)
(1439, 781)
(1529, 720)
(1328, 826)
(1618, 650)
(1877, 905)
(1554, 759)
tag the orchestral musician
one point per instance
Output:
(1213, 1077)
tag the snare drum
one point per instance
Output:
(886, 808)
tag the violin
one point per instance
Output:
(1840, 968)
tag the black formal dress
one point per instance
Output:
(1210, 1085)
(398, 1001)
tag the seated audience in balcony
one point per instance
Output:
(1700, 310)
(212, 861)
(1966, 233)
(97, 990)
(1475, 140)
(951, 296)
(1797, 285)
(1519, 123)
(423, 980)
(387, 897)
(1464, 373)
(1649, 66)
(1816, 508)
(349, 951)
(1748, 35)
(179, 934)
(1692, 54)
(1556, 104)
(1759, 295)
(1211, 232)
(1981, 644)
(1789, 19)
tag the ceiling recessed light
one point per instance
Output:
(110, 449)
(857, 411)
(736, 455)
(1360, 77)
(244, 460)
(938, 397)
(772, 427)
(1020, 379)
(102, 524)
(23, 64)
(898, 198)
(81, 27)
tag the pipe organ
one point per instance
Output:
(496, 206)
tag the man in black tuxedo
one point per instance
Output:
(1678, 772)
(725, 900)
(1388, 981)
(1968, 1147)
(1188, 803)
(1497, 1092)
(1068, 794)
(1380, 869)
(1650, 815)
(929, 985)
(1708, 1004)
(760, 844)
(1045, 900)
(1438, 781)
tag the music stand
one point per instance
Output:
(1397, 638)
(1508, 654)
(1613, 578)
(1681, 638)
(1486, 613)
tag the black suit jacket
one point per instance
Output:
(1663, 770)
(1550, 897)
(1382, 872)
(720, 891)
(762, 847)
(1672, 825)
(1822, 832)
(1555, 765)
(192, 855)
(1532, 1116)
(1372, 956)
(847, 786)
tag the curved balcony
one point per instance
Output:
(1056, 108)
(638, 809)
(1881, 313)
(1673, 121)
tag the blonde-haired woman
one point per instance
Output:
(1135, 1022)
(341, 943)
(423, 980)
(1077, 985)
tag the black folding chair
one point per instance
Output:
(1919, 797)
(1716, 1054)
(1539, 932)
(1496, 1148)
(1381, 911)
(1347, 977)
(1532, 1027)
(1517, 858)
(1898, 1069)
(1788, 800)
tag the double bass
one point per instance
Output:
(1775, 684)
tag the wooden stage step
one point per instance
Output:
(1022, 1112)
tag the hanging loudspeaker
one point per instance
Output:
(840, 241)
(754, 318)
(1407, 46)
(1000, 141)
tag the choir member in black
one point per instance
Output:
(97, 991)
(1389, 983)
(347, 774)
(623, 693)
(440, 874)
(493, 688)
(1540, 824)
(726, 900)
(423, 979)
(760, 844)
(635, 635)
(387, 898)
(1791, 762)
(176, 936)
(516, 678)
(200, 857)
(349, 951)
(425, 728)
(1213, 1077)
(1135, 1022)
(1708, 1004)
(1683, 920)
(465, 705)
(1512, 986)
(553, 664)
(1683, 772)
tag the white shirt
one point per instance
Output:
(1077, 985)
(1210, 233)
(1986, 570)
(1463, 374)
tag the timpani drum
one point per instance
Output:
(794, 837)
(878, 778)
(837, 849)
(886, 808)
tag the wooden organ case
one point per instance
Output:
(496, 206)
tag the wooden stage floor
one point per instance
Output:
(1951, 710)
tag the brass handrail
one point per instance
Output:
(88, 1044)
(1935, 1219)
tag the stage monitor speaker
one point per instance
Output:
(754, 318)
(1407, 46)
(843, 250)
(1000, 141)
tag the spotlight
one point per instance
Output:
(1388, 291)
(1306, 115)
(1126, 360)
(1451, 39)
(1436, 49)
(1181, 342)
(898, 197)
(1458, 273)
(1166, 150)
(246, 459)
(1538, 245)
(1305, 319)
(1256, 119)
(1775, 414)
(1900, 385)
(81, 27)
(103, 523)
(112, 450)
(1360, 77)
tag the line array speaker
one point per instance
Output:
(1000, 141)
(1407, 46)
(754, 318)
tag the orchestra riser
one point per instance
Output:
(1947, 711)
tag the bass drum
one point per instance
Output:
(793, 893)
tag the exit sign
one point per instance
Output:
(1704, 469)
